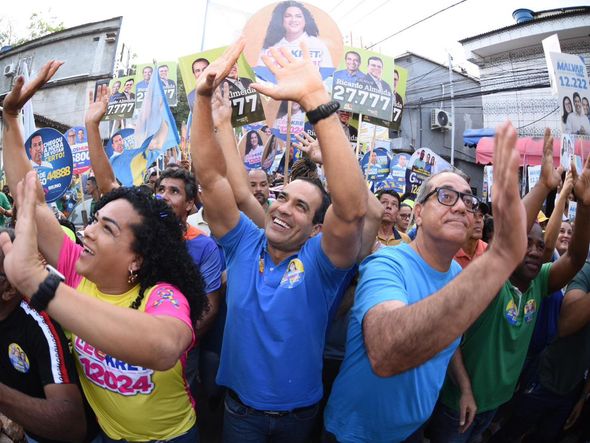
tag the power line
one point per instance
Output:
(416, 23)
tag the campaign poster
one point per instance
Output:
(571, 78)
(246, 102)
(533, 175)
(166, 71)
(51, 157)
(369, 133)
(376, 164)
(572, 207)
(400, 78)
(78, 142)
(121, 141)
(422, 164)
(566, 153)
(122, 100)
(364, 83)
(286, 25)
(251, 148)
(281, 121)
(397, 174)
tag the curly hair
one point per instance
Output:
(159, 241)
(276, 31)
(190, 184)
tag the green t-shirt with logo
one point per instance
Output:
(495, 347)
(6, 205)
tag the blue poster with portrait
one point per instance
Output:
(119, 142)
(375, 164)
(51, 157)
(78, 142)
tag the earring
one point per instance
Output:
(132, 277)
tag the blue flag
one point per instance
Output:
(155, 130)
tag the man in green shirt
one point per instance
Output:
(485, 369)
(5, 209)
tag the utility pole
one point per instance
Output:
(204, 24)
(452, 111)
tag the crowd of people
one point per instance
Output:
(302, 316)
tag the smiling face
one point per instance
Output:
(163, 72)
(564, 237)
(118, 144)
(128, 86)
(173, 192)
(199, 67)
(107, 256)
(440, 222)
(353, 61)
(567, 105)
(147, 73)
(293, 22)
(289, 220)
(375, 68)
(586, 106)
(578, 104)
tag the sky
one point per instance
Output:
(166, 31)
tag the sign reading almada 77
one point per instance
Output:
(363, 83)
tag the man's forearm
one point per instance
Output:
(56, 419)
(103, 171)
(401, 338)
(578, 246)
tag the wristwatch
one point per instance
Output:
(322, 111)
(46, 291)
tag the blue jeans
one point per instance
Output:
(191, 436)
(242, 423)
(444, 425)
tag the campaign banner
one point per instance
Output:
(397, 174)
(363, 83)
(573, 91)
(533, 174)
(51, 157)
(251, 147)
(121, 140)
(122, 100)
(286, 25)
(572, 207)
(376, 164)
(246, 102)
(566, 153)
(79, 145)
(422, 164)
(168, 74)
(400, 78)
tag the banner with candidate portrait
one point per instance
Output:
(376, 164)
(246, 102)
(363, 83)
(285, 25)
(422, 164)
(168, 74)
(400, 78)
(128, 161)
(122, 100)
(51, 158)
(78, 142)
(122, 140)
(573, 91)
(397, 174)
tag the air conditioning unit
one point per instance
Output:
(10, 70)
(439, 119)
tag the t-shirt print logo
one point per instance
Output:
(294, 274)
(18, 358)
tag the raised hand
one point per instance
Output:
(568, 184)
(21, 93)
(550, 177)
(310, 146)
(217, 71)
(582, 183)
(221, 106)
(510, 234)
(22, 264)
(98, 105)
(298, 79)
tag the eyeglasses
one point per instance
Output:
(405, 216)
(448, 197)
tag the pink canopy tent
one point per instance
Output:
(530, 148)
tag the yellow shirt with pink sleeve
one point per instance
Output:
(132, 402)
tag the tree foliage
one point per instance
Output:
(40, 24)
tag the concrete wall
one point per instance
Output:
(89, 54)
(425, 93)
